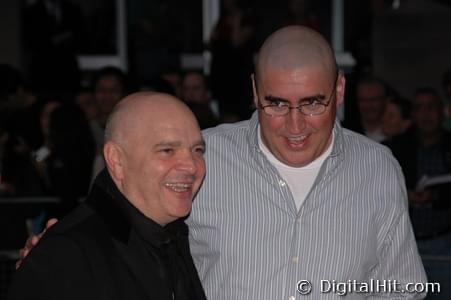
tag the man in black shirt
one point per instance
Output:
(128, 240)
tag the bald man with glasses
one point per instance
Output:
(292, 202)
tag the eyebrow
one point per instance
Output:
(273, 98)
(167, 144)
(177, 144)
(200, 143)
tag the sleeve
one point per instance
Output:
(57, 268)
(400, 267)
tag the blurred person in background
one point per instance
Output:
(66, 166)
(197, 96)
(173, 76)
(300, 12)
(233, 45)
(372, 98)
(53, 33)
(20, 107)
(424, 152)
(110, 84)
(397, 117)
(86, 101)
(446, 84)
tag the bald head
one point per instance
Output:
(154, 153)
(138, 111)
(295, 47)
(296, 68)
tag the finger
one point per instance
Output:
(22, 253)
(29, 242)
(50, 223)
(34, 239)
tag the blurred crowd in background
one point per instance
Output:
(52, 114)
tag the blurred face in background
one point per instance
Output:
(194, 89)
(108, 91)
(175, 79)
(428, 113)
(371, 102)
(393, 122)
(85, 100)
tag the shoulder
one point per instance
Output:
(373, 177)
(62, 261)
(58, 267)
(226, 141)
(82, 219)
(68, 238)
(225, 131)
(372, 163)
(361, 147)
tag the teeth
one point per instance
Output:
(178, 187)
(298, 138)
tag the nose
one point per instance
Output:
(188, 162)
(295, 121)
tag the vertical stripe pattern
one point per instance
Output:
(248, 240)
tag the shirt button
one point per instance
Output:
(292, 298)
(295, 259)
(282, 183)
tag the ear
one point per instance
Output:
(340, 89)
(254, 90)
(115, 160)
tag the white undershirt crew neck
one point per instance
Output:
(300, 180)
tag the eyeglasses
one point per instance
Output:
(311, 106)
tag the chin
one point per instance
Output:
(296, 163)
(299, 159)
(182, 211)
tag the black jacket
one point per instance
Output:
(107, 249)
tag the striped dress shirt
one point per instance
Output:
(249, 241)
